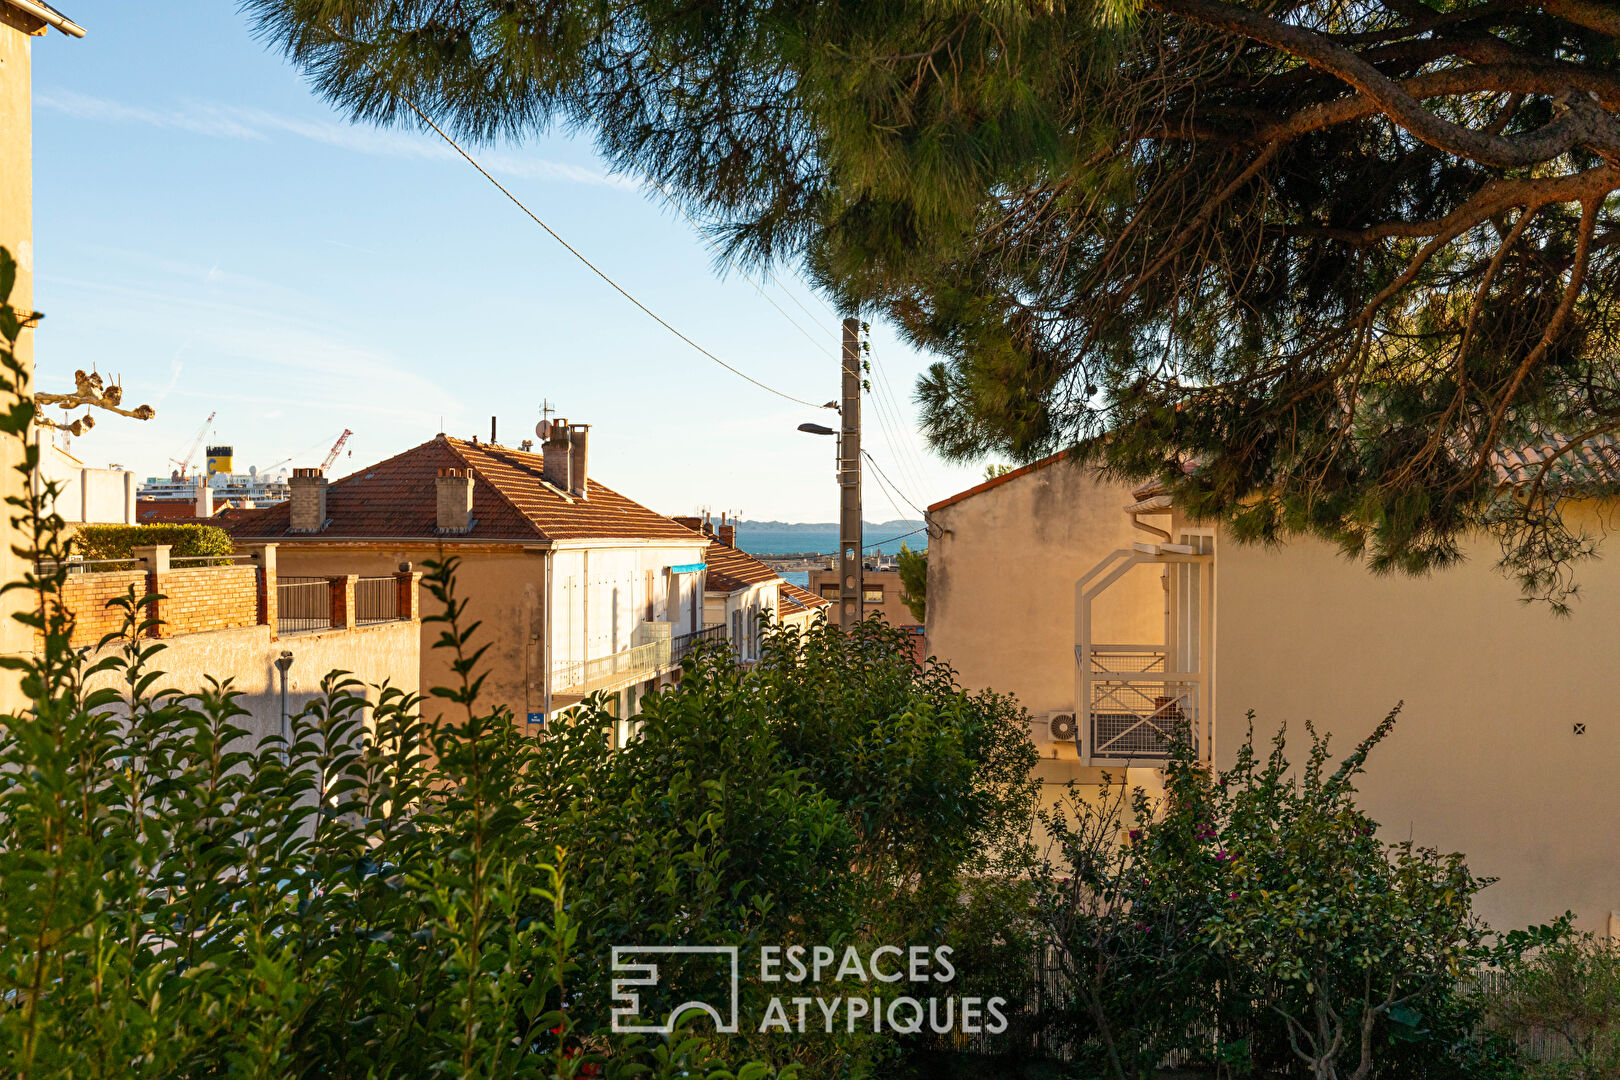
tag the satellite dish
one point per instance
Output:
(543, 430)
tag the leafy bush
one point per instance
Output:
(1562, 1001)
(1253, 920)
(914, 580)
(117, 541)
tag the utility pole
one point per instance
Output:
(849, 480)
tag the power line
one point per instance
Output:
(885, 477)
(888, 424)
(576, 254)
(885, 488)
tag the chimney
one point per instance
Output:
(692, 522)
(558, 464)
(579, 448)
(205, 499)
(306, 502)
(728, 533)
(455, 494)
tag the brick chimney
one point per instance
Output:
(558, 458)
(306, 501)
(691, 521)
(579, 450)
(455, 495)
(728, 533)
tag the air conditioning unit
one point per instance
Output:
(1061, 727)
(1053, 729)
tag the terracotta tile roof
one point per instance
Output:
(997, 481)
(397, 499)
(803, 598)
(1594, 465)
(730, 570)
(165, 510)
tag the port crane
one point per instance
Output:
(185, 464)
(331, 455)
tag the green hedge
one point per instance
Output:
(117, 541)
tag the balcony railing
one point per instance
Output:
(614, 670)
(682, 646)
(303, 604)
(1136, 709)
(376, 599)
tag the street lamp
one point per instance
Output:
(283, 662)
(848, 562)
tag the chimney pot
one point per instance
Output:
(454, 492)
(306, 501)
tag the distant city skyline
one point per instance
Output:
(212, 233)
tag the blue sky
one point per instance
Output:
(214, 234)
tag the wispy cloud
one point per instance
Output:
(259, 125)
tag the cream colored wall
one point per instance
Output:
(719, 607)
(17, 236)
(92, 496)
(1001, 571)
(505, 591)
(385, 652)
(1484, 759)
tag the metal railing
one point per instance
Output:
(682, 646)
(376, 599)
(616, 669)
(1137, 710)
(303, 604)
(87, 566)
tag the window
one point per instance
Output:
(829, 592)
(871, 596)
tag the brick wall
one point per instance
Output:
(208, 598)
(86, 595)
(194, 599)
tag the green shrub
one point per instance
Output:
(1562, 1002)
(1253, 920)
(914, 580)
(117, 541)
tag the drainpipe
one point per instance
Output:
(283, 662)
(545, 634)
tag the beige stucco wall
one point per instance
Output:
(505, 592)
(385, 652)
(1001, 571)
(17, 236)
(1002, 565)
(1484, 759)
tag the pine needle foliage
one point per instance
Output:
(1341, 257)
